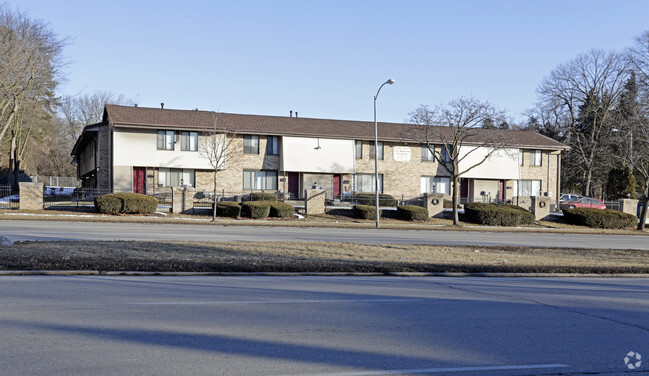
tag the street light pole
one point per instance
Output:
(376, 159)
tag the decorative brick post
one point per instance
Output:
(314, 202)
(182, 200)
(434, 202)
(541, 207)
(31, 196)
(629, 206)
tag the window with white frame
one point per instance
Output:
(175, 177)
(527, 188)
(426, 154)
(264, 179)
(189, 141)
(445, 156)
(535, 157)
(379, 150)
(166, 140)
(358, 149)
(272, 145)
(520, 157)
(435, 184)
(250, 144)
(365, 183)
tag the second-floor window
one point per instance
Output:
(250, 144)
(535, 157)
(189, 141)
(379, 150)
(358, 149)
(426, 153)
(272, 145)
(166, 140)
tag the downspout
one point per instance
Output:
(558, 178)
(547, 184)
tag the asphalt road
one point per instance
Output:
(49, 230)
(330, 326)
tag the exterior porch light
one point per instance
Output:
(376, 160)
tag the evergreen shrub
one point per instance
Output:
(125, 203)
(370, 199)
(263, 196)
(365, 212)
(599, 218)
(256, 209)
(281, 209)
(229, 209)
(497, 214)
(412, 213)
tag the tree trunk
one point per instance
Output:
(13, 177)
(455, 200)
(214, 198)
(645, 201)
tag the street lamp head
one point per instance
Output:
(390, 81)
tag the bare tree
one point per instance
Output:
(81, 110)
(582, 94)
(29, 61)
(455, 129)
(637, 124)
(216, 145)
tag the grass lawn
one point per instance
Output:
(312, 257)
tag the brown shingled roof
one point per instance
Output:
(294, 126)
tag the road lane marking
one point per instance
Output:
(279, 302)
(438, 370)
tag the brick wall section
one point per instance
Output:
(182, 200)
(315, 201)
(400, 179)
(231, 178)
(548, 159)
(31, 196)
(104, 161)
(540, 207)
(435, 204)
(629, 206)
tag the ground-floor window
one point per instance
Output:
(365, 183)
(527, 187)
(264, 179)
(175, 177)
(435, 184)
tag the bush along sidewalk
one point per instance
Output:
(125, 203)
(497, 214)
(599, 218)
(412, 213)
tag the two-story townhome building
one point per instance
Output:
(147, 150)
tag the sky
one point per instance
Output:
(327, 59)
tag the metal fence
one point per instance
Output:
(613, 205)
(56, 181)
(78, 197)
(8, 199)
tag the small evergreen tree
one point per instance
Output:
(621, 183)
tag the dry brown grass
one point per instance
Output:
(312, 257)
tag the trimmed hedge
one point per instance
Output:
(262, 196)
(370, 199)
(412, 213)
(599, 218)
(365, 211)
(281, 209)
(256, 209)
(125, 203)
(229, 209)
(497, 214)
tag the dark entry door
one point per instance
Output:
(336, 186)
(139, 180)
(294, 185)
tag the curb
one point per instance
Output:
(307, 274)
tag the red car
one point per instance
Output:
(582, 202)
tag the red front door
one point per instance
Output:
(139, 180)
(336, 186)
(294, 185)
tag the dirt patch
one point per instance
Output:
(312, 257)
